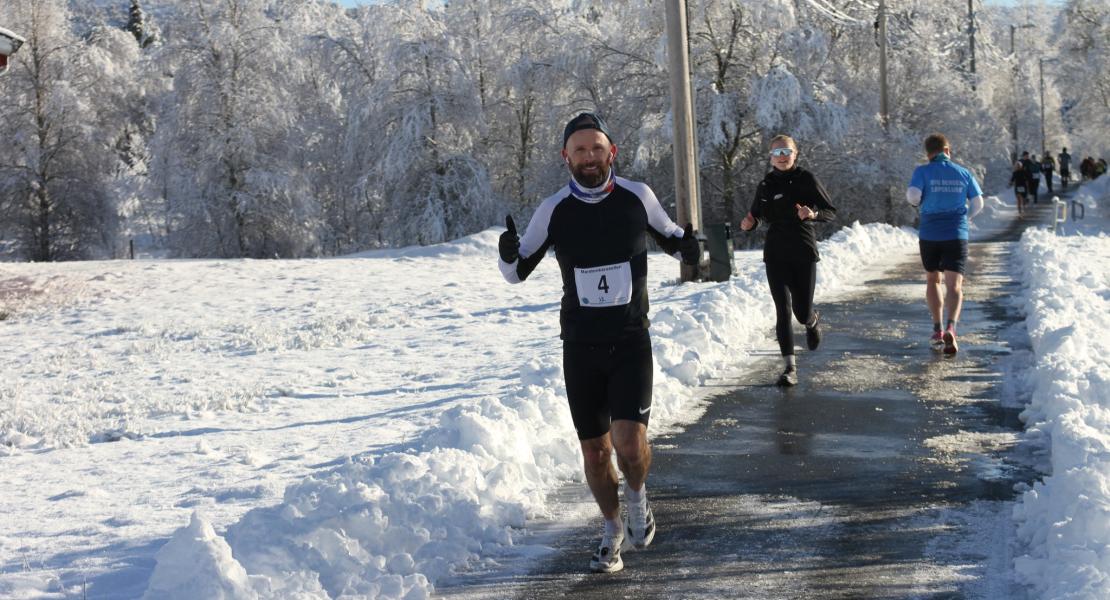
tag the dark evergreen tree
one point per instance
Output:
(136, 24)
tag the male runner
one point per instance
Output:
(597, 225)
(1048, 165)
(1064, 160)
(1033, 172)
(944, 191)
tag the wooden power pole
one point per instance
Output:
(884, 99)
(682, 108)
(971, 37)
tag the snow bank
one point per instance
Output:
(389, 527)
(1065, 520)
(995, 210)
(196, 563)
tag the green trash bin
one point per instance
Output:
(718, 239)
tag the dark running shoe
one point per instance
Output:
(813, 334)
(789, 377)
(950, 346)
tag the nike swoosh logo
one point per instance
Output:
(644, 411)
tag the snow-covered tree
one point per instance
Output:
(340, 64)
(138, 26)
(734, 49)
(865, 165)
(225, 134)
(1084, 75)
(297, 127)
(58, 166)
(434, 186)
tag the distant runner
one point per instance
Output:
(1048, 165)
(1064, 160)
(945, 192)
(597, 225)
(790, 199)
(1019, 180)
(1033, 172)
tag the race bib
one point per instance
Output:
(599, 287)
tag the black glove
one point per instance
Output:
(509, 244)
(690, 247)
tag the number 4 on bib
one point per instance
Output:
(609, 285)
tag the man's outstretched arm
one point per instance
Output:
(519, 256)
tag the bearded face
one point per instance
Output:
(589, 155)
(591, 173)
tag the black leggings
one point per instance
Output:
(791, 288)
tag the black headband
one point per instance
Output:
(586, 120)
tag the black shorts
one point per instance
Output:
(949, 255)
(607, 382)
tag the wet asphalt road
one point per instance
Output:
(888, 472)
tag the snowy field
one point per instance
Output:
(370, 424)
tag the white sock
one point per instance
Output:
(634, 496)
(789, 360)
(613, 527)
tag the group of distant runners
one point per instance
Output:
(1091, 168)
(1028, 171)
(598, 225)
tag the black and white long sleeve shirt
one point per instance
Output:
(602, 252)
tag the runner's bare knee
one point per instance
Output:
(629, 439)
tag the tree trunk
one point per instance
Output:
(728, 191)
(524, 121)
(42, 252)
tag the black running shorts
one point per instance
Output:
(607, 382)
(949, 255)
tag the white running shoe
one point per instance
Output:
(639, 524)
(607, 557)
(789, 377)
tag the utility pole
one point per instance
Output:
(1040, 72)
(1014, 97)
(884, 102)
(884, 96)
(682, 109)
(971, 37)
(1040, 68)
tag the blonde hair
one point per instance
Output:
(785, 138)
